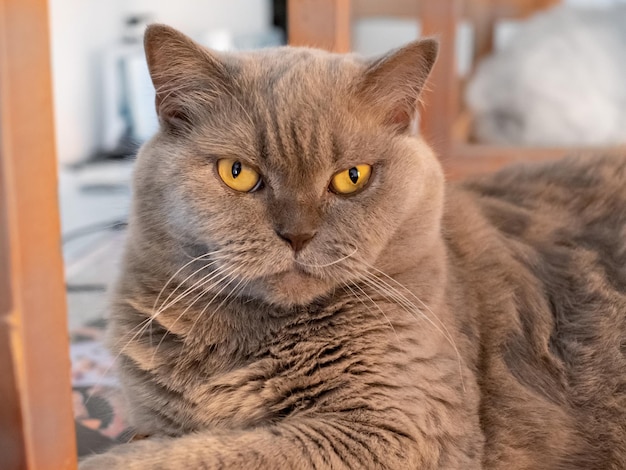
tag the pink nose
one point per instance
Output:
(297, 240)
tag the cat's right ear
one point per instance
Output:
(185, 75)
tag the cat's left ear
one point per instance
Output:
(391, 85)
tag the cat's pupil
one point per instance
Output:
(236, 169)
(353, 173)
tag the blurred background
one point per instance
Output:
(516, 80)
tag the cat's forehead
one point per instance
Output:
(282, 74)
(298, 99)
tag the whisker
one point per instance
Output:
(204, 280)
(379, 309)
(190, 289)
(167, 330)
(399, 298)
(356, 296)
(156, 301)
(201, 314)
(410, 307)
(224, 275)
(141, 327)
(412, 294)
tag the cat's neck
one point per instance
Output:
(416, 259)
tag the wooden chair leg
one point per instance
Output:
(319, 23)
(439, 19)
(36, 419)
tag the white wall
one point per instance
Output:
(197, 16)
(593, 3)
(82, 29)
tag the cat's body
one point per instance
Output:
(543, 266)
(480, 327)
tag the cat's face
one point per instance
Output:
(286, 164)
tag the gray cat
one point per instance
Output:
(301, 290)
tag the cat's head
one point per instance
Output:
(295, 167)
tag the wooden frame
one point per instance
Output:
(444, 123)
(439, 19)
(320, 23)
(36, 419)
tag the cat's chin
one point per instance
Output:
(294, 287)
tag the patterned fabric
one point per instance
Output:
(98, 403)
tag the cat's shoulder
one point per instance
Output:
(576, 173)
(576, 200)
(583, 186)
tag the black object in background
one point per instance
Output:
(280, 15)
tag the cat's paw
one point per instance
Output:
(142, 455)
(102, 462)
(120, 457)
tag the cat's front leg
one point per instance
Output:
(345, 441)
(255, 449)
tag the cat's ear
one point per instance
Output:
(185, 75)
(392, 84)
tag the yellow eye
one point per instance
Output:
(351, 180)
(237, 175)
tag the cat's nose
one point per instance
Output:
(297, 240)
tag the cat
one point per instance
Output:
(560, 81)
(301, 289)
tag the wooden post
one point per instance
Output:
(439, 19)
(36, 424)
(319, 23)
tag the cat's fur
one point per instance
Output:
(480, 327)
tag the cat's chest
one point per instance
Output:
(308, 367)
